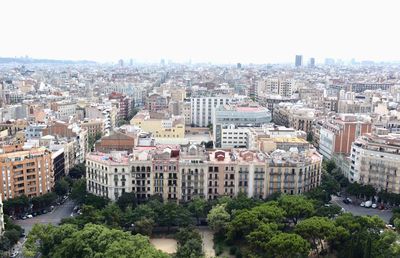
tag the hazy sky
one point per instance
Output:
(208, 30)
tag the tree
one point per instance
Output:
(269, 212)
(284, 245)
(191, 249)
(310, 137)
(77, 171)
(318, 195)
(387, 245)
(112, 215)
(218, 218)
(296, 207)
(357, 236)
(189, 243)
(61, 187)
(329, 184)
(316, 230)
(329, 166)
(244, 222)
(16, 205)
(144, 211)
(91, 241)
(184, 234)
(259, 238)
(144, 226)
(197, 208)
(42, 201)
(172, 214)
(240, 202)
(328, 211)
(127, 199)
(78, 191)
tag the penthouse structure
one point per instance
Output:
(25, 172)
(375, 160)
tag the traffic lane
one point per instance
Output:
(54, 217)
(362, 211)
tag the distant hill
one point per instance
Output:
(22, 60)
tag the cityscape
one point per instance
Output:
(126, 133)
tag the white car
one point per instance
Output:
(373, 206)
(29, 216)
(362, 204)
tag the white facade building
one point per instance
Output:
(203, 108)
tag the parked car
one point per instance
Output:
(381, 207)
(29, 216)
(374, 206)
(368, 204)
(346, 201)
(24, 217)
(390, 226)
(362, 204)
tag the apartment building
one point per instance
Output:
(63, 110)
(276, 86)
(375, 160)
(338, 133)
(124, 102)
(93, 127)
(28, 172)
(361, 87)
(156, 102)
(160, 127)
(180, 174)
(295, 115)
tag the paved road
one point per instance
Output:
(361, 211)
(54, 217)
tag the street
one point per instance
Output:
(356, 209)
(54, 217)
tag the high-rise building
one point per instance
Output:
(25, 172)
(299, 60)
(312, 62)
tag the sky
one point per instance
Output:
(219, 31)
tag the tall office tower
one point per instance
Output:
(239, 66)
(299, 60)
(121, 63)
(312, 62)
